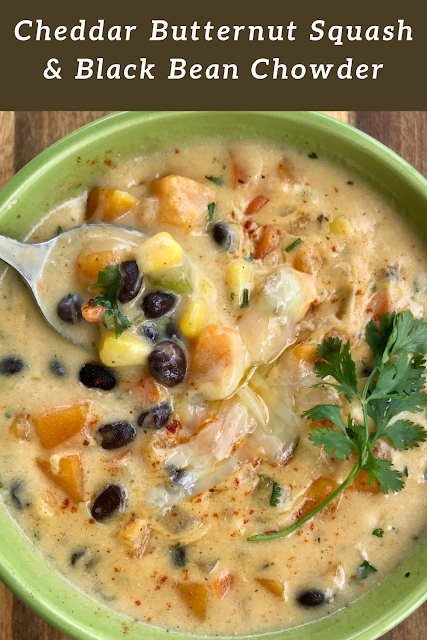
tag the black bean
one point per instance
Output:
(158, 303)
(95, 376)
(58, 368)
(16, 490)
(150, 332)
(116, 434)
(11, 365)
(75, 557)
(179, 556)
(156, 417)
(311, 598)
(130, 283)
(168, 363)
(69, 309)
(223, 235)
(110, 500)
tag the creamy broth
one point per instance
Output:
(198, 482)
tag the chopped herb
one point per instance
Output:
(416, 286)
(245, 301)
(109, 279)
(294, 244)
(37, 535)
(374, 288)
(8, 414)
(250, 257)
(211, 211)
(59, 230)
(1, 485)
(233, 295)
(276, 494)
(321, 218)
(404, 471)
(179, 556)
(313, 155)
(396, 384)
(218, 181)
(378, 532)
(224, 166)
(178, 544)
(350, 182)
(363, 571)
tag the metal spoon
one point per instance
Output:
(30, 261)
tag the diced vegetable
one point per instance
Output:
(158, 253)
(125, 351)
(135, 536)
(193, 318)
(109, 204)
(256, 205)
(93, 314)
(219, 362)
(21, 427)
(360, 483)
(66, 472)
(306, 352)
(182, 202)
(238, 278)
(340, 226)
(238, 175)
(268, 242)
(222, 584)
(61, 424)
(317, 492)
(149, 391)
(307, 259)
(195, 596)
(276, 587)
(90, 264)
(175, 278)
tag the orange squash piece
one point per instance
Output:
(93, 314)
(360, 483)
(183, 202)
(317, 492)
(109, 204)
(256, 205)
(239, 175)
(90, 264)
(222, 584)
(61, 424)
(68, 475)
(268, 241)
(275, 587)
(195, 596)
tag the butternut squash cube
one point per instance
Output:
(317, 492)
(90, 264)
(135, 536)
(183, 202)
(276, 587)
(306, 353)
(61, 424)
(66, 472)
(195, 596)
(360, 484)
(158, 253)
(109, 204)
(219, 362)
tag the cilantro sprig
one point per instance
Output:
(396, 384)
(109, 279)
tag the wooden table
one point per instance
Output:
(23, 134)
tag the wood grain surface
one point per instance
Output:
(24, 134)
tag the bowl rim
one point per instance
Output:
(41, 164)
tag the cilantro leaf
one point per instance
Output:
(218, 181)
(333, 441)
(339, 364)
(211, 211)
(378, 337)
(326, 412)
(109, 279)
(378, 532)
(276, 495)
(405, 435)
(363, 571)
(389, 479)
(408, 336)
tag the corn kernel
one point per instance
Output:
(158, 252)
(238, 275)
(306, 352)
(205, 288)
(125, 351)
(193, 318)
(340, 226)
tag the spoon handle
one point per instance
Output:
(26, 258)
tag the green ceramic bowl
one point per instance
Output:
(64, 170)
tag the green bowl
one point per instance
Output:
(65, 170)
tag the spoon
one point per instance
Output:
(31, 261)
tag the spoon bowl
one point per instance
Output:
(40, 264)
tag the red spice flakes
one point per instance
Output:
(185, 572)
(92, 521)
(359, 292)
(251, 512)
(312, 526)
(154, 574)
(174, 426)
(245, 521)
(334, 249)
(177, 151)
(157, 588)
(304, 201)
(74, 509)
(163, 579)
(117, 569)
(236, 513)
(148, 619)
(334, 300)
(237, 481)
(336, 190)
(65, 504)
(138, 603)
(216, 515)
